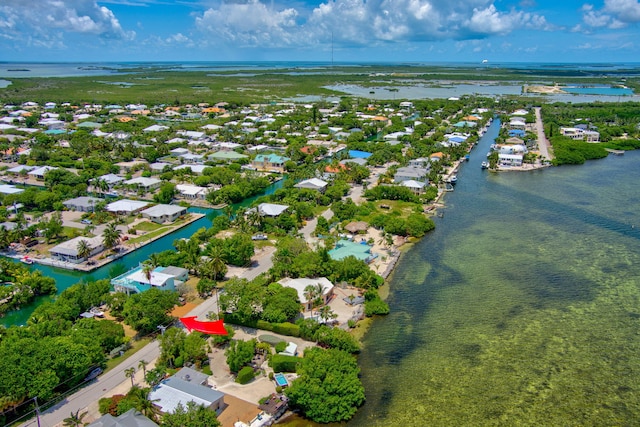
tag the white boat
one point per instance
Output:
(26, 260)
(485, 165)
(451, 180)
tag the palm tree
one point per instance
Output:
(144, 404)
(111, 236)
(83, 249)
(310, 293)
(130, 373)
(143, 365)
(326, 313)
(147, 269)
(215, 268)
(75, 420)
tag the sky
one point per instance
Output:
(423, 31)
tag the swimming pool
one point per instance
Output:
(281, 380)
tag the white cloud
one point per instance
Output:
(615, 14)
(49, 21)
(362, 23)
(250, 23)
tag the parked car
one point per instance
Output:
(259, 237)
(85, 221)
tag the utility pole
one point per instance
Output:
(37, 411)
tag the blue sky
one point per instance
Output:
(306, 30)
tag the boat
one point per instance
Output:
(26, 260)
(452, 180)
(485, 165)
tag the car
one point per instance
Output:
(85, 221)
(259, 237)
(93, 374)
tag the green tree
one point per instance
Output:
(166, 193)
(83, 248)
(111, 236)
(53, 227)
(130, 373)
(239, 354)
(193, 415)
(146, 310)
(328, 388)
(75, 419)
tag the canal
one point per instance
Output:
(66, 278)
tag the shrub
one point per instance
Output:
(282, 363)
(281, 346)
(245, 375)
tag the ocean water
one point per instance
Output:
(521, 308)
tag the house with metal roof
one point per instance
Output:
(126, 206)
(313, 184)
(411, 172)
(173, 391)
(144, 183)
(40, 172)
(164, 213)
(270, 209)
(137, 280)
(68, 251)
(131, 418)
(82, 204)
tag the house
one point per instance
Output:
(146, 184)
(110, 179)
(301, 284)
(579, 134)
(138, 280)
(40, 172)
(269, 162)
(193, 192)
(195, 169)
(173, 391)
(270, 209)
(510, 159)
(126, 206)
(411, 173)
(191, 158)
(517, 123)
(436, 157)
(313, 184)
(10, 189)
(191, 375)
(155, 128)
(416, 186)
(68, 251)
(131, 418)
(421, 162)
(226, 156)
(82, 204)
(164, 213)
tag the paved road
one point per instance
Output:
(80, 400)
(544, 147)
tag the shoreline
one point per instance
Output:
(126, 249)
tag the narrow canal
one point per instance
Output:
(66, 278)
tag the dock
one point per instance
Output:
(615, 152)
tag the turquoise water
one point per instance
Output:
(604, 90)
(521, 308)
(66, 278)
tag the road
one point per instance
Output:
(89, 394)
(544, 147)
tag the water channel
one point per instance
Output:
(66, 278)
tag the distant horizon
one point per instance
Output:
(365, 62)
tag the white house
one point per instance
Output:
(68, 251)
(172, 391)
(164, 213)
(301, 284)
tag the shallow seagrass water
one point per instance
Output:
(521, 308)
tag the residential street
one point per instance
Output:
(543, 142)
(101, 387)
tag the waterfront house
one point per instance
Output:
(301, 284)
(10, 189)
(510, 159)
(173, 391)
(195, 169)
(269, 162)
(137, 280)
(416, 186)
(164, 213)
(192, 192)
(580, 134)
(269, 209)
(126, 206)
(411, 173)
(68, 251)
